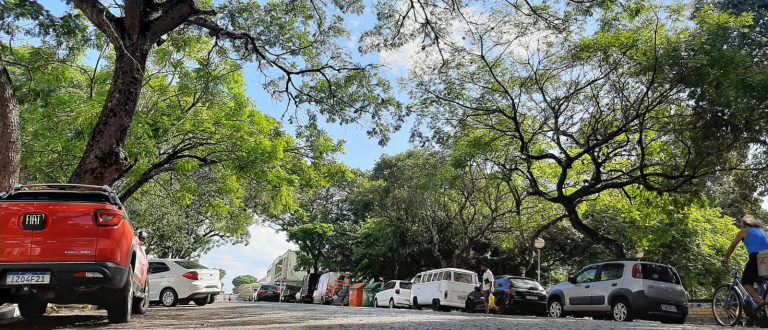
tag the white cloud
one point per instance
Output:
(264, 246)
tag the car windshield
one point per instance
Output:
(525, 284)
(189, 264)
(406, 285)
(268, 287)
(462, 277)
(660, 273)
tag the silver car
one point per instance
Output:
(622, 290)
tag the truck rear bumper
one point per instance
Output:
(113, 276)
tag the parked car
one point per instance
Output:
(70, 244)
(513, 294)
(176, 282)
(394, 294)
(268, 292)
(289, 292)
(328, 286)
(623, 290)
(247, 292)
(308, 288)
(443, 289)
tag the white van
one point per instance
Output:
(443, 289)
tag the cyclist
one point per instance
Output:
(755, 240)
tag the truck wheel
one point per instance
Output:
(119, 310)
(32, 309)
(211, 299)
(169, 298)
(201, 301)
(141, 306)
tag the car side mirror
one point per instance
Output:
(572, 279)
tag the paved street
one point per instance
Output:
(227, 315)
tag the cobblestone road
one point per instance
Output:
(232, 315)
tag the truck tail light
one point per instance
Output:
(191, 275)
(108, 217)
(637, 271)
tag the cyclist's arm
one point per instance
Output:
(739, 237)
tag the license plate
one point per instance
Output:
(18, 278)
(531, 297)
(668, 308)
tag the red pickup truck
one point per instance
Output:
(70, 244)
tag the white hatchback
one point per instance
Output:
(394, 294)
(173, 282)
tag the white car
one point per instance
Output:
(173, 282)
(394, 294)
(624, 290)
(443, 289)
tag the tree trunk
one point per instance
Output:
(104, 160)
(580, 226)
(10, 132)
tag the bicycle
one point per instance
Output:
(730, 301)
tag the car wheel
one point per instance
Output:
(391, 303)
(211, 299)
(201, 302)
(620, 311)
(555, 308)
(32, 309)
(169, 298)
(141, 306)
(415, 304)
(120, 310)
(468, 306)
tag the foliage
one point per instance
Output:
(242, 279)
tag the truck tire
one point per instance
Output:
(32, 309)
(119, 310)
(141, 306)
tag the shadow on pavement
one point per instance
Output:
(59, 321)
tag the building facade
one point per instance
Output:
(283, 270)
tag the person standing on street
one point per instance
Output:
(487, 286)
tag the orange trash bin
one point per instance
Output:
(356, 295)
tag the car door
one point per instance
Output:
(579, 296)
(608, 279)
(159, 278)
(386, 293)
(416, 286)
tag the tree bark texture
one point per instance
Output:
(104, 160)
(10, 132)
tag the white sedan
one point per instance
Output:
(173, 282)
(394, 294)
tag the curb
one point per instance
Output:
(9, 312)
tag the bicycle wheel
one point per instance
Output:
(726, 307)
